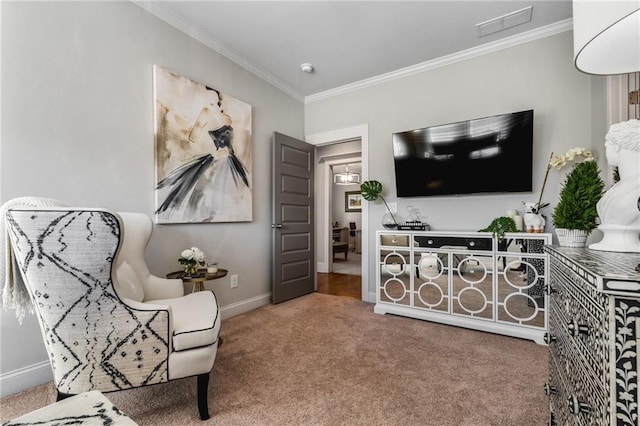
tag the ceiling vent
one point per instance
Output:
(503, 22)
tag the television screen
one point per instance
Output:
(484, 155)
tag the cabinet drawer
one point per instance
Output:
(594, 337)
(584, 315)
(471, 243)
(571, 404)
(586, 380)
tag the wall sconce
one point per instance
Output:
(346, 178)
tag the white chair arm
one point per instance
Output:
(142, 306)
(156, 288)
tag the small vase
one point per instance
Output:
(190, 269)
(389, 221)
(571, 237)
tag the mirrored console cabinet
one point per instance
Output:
(466, 279)
(594, 331)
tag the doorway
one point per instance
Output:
(344, 273)
(324, 225)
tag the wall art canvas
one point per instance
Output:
(203, 153)
(353, 201)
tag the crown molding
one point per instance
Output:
(526, 37)
(162, 12)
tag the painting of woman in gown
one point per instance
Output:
(203, 153)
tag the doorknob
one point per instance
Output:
(273, 225)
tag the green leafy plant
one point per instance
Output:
(580, 193)
(371, 190)
(501, 225)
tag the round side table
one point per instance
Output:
(199, 278)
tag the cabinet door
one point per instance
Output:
(518, 283)
(471, 284)
(431, 281)
(394, 270)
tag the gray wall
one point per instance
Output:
(539, 75)
(77, 116)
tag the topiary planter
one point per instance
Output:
(579, 196)
(572, 237)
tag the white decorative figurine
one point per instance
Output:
(619, 208)
(533, 220)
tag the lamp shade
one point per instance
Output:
(606, 36)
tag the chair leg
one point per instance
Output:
(203, 404)
(62, 396)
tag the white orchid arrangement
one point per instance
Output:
(559, 161)
(192, 258)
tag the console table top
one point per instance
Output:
(604, 263)
(610, 272)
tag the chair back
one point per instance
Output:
(131, 267)
(352, 227)
(94, 341)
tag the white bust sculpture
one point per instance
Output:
(619, 208)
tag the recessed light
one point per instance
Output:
(307, 67)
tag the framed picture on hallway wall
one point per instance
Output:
(352, 201)
(203, 152)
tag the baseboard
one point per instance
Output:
(25, 378)
(323, 267)
(246, 305)
(372, 298)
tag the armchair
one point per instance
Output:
(107, 323)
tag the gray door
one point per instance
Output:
(293, 224)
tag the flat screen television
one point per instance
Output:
(484, 155)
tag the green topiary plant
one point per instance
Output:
(580, 193)
(371, 190)
(501, 225)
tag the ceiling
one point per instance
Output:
(347, 42)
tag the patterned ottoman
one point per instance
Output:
(88, 408)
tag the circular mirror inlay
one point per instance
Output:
(520, 306)
(394, 263)
(523, 276)
(470, 298)
(394, 289)
(430, 266)
(430, 294)
(471, 270)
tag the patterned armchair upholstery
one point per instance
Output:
(107, 323)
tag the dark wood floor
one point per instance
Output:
(340, 284)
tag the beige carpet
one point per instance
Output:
(329, 360)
